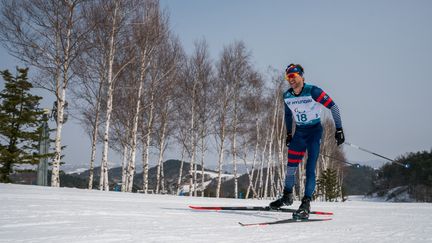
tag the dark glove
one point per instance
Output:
(340, 137)
(288, 139)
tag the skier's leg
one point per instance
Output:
(296, 152)
(313, 148)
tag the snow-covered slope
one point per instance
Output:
(212, 175)
(77, 171)
(44, 214)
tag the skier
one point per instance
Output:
(301, 102)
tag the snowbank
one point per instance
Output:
(44, 214)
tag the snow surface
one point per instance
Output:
(77, 171)
(45, 214)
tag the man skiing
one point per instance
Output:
(303, 102)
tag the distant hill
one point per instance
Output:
(227, 186)
(171, 173)
(357, 180)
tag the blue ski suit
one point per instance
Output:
(305, 108)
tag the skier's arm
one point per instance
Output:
(288, 119)
(323, 98)
(336, 116)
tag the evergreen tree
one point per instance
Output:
(359, 180)
(417, 176)
(328, 185)
(20, 123)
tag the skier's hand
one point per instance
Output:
(340, 137)
(288, 139)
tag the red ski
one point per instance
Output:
(284, 221)
(255, 208)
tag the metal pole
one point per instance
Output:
(367, 151)
(343, 161)
(44, 143)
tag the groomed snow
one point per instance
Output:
(44, 214)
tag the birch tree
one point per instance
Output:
(205, 101)
(272, 123)
(46, 35)
(192, 127)
(126, 93)
(89, 91)
(181, 126)
(193, 105)
(117, 13)
(150, 29)
(88, 98)
(223, 91)
(168, 67)
(253, 106)
(167, 54)
(240, 77)
(278, 136)
(147, 131)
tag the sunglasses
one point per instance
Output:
(291, 75)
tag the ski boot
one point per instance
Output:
(303, 212)
(285, 200)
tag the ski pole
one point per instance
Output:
(367, 151)
(343, 161)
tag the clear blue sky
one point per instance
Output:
(372, 57)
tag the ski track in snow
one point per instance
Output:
(45, 214)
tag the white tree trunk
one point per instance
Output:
(124, 167)
(158, 171)
(195, 178)
(260, 179)
(282, 162)
(163, 178)
(261, 182)
(203, 149)
(267, 178)
(94, 139)
(131, 164)
(234, 138)
(104, 184)
(270, 150)
(161, 153)
(220, 161)
(180, 171)
(251, 175)
(192, 169)
(221, 135)
(193, 141)
(146, 144)
(93, 148)
(270, 157)
(234, 154)
(55, 177)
